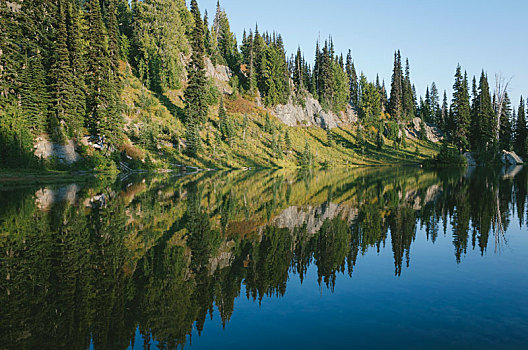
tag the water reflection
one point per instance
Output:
(88, 266)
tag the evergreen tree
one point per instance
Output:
(505, 135)
(407, 94)
(61, 77)
(395, 101)
(34, 94)
(352, 79)
(77, 63)
(226, 39)
(460, 111)
(195, 95)
(444, 115)
(483, 127)
(104, 117)
(435, 104)
(287, 140)
(521, 132)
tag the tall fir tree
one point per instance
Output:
(395, 101)
(34, 94)
(505, 133)
(521, 132)
(460, 111)
(195, 95)
(407, 93)
(62, 82)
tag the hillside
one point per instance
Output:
(116, 89)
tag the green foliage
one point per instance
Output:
(380, 140)
(160, 36)
(16, 141)
(306, 160)
(447, 157)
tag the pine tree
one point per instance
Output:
(287, 140)
(352, 78)
(395, 101)
(483, 129)
(460, 111)
(61, 76)
(34, 94)
(444, 116)
(195, 95)
(78, 64)
(521, 132)
(435, 104)
(505, 134)
(407, 94)
(380, 142)
(104, 118)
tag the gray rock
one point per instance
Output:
(470, 159)
(511, 158)
(44, 148)
(433, 133)
(219, 72)
(312, 114)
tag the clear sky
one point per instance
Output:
(434, 34)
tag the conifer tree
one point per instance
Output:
(34, 94)
(407, 93)
(287, 140)
(505, 134)
(77, 63)
(460, 111)
(104, 117)
(395, 101)
(61, 76)
(195, 95)
(483, 129)
(444, 115)
(521, 132)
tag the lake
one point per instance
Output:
(373, 258)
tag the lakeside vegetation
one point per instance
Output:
(130, 84)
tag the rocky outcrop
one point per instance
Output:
(218, 72)
(310, 113)
(414, 130)
(511, 158)
(46, 149)
(470, 159)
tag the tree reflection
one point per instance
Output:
(160, 254)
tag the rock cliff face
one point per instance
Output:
(433, 133)
(217, 72)
(46, 149)
(312, 114)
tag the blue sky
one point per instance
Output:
(434, 34)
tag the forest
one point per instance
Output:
(129, 84)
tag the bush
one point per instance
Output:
(447, 157)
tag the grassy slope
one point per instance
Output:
(161, 114)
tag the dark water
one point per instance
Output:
(397, 258)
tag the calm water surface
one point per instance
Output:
(398, 258)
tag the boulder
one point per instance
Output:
(470, 159)
(511, 158)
